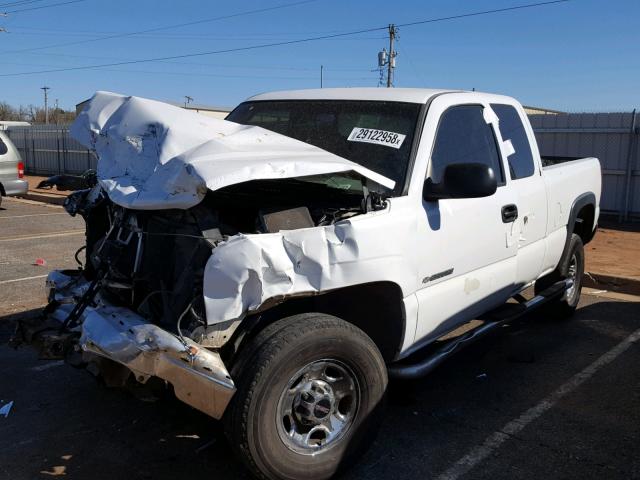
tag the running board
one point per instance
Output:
(508, 312)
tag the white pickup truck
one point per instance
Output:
(275, 267)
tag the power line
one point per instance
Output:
(96, 37)
(222, 75)
(283, 43)
(190, 55)
(222, 65)
(44, 6)
(112, 32)
(19, 3)
(484, 12)
(156, 29)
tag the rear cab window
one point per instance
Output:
(520, 162)
(463, 136)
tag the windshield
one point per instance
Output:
(376, 135)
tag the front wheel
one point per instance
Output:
(310, 395)
(572, 268)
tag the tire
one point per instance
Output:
(346, 379)
(572, 267)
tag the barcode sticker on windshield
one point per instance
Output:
(379, 137)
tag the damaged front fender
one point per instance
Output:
(248, 272)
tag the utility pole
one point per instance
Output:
(56, 111)
(46, 104)
(391, 64)
(321, 74)
(187, 100)
(388, 59)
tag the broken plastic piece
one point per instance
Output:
(5, 409)
(41, 262)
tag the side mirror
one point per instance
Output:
(462, 180)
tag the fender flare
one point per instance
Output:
(583, 200)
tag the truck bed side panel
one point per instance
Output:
(566, 182)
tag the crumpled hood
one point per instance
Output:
(152, 155)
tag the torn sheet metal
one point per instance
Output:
(198, 376)
(153, 155)
(248, 270)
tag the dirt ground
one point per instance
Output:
(615, 250)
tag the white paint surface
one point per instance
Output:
(155, 156)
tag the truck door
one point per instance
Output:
(468, 261)
(529, 187)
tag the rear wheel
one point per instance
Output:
(572, 268)
(310, 394)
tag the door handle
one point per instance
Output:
(509, 213)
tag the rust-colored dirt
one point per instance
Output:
(615, 251)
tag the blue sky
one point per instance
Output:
(577, 56)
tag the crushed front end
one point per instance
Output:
(194, 226)
(136, 308)
(116, 315)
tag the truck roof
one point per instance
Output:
(410, 95)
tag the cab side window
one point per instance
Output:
(521, 162)
(463, 136)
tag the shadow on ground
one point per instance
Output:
(65, 423)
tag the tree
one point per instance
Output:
(7, 112)
(35, 114)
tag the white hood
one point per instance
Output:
(152, 155)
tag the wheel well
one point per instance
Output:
(376, 308)
(583, 225)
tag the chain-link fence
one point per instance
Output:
(50, 150)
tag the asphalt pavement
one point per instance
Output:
(31, 231)
(540, 399)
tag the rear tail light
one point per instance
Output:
(20, 169)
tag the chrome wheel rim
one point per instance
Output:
(317, 407)
(572, 274)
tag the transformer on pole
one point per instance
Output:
(388, 59)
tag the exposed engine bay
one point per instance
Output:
(153, 261)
